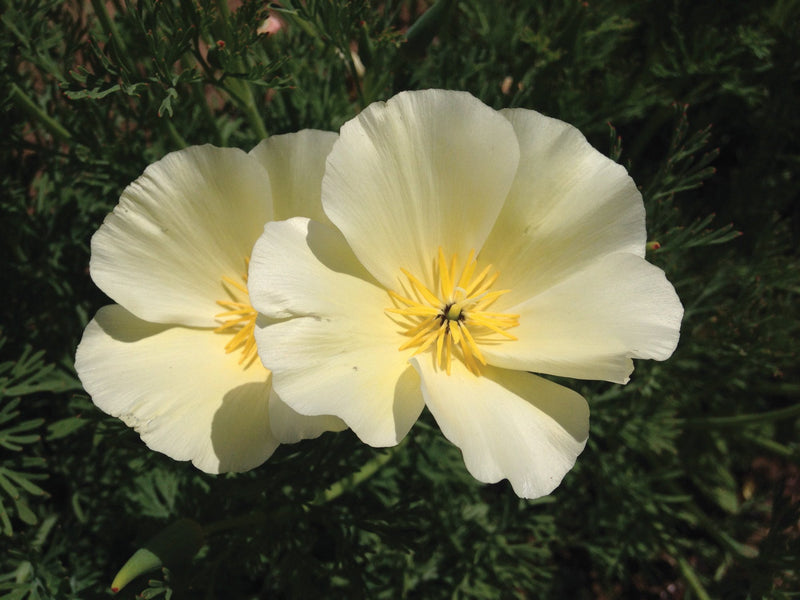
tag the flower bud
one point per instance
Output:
(176, 544)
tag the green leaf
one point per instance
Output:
(25, 513)
(64, 427)
(23, 480)
(166, 103)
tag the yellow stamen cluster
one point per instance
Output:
(239, 319)
(456, 319)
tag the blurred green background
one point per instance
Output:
(689, 486)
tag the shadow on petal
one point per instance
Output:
(123, 326)
(408, 402)
(240, 433)
(569, 411)
(331, 249)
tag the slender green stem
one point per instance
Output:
(691, 578)
(242, 95)
(255, 519)
(747, 419)
(290, 14)
(722, 538)
(772, 446)
(352, 481)
(27, 104)
(200, 99)
(112, 32)
(173, 133)
(240, 90)
(251, 112)
(782, 388)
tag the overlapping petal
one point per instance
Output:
(178, 389)
(340, 359)
(432, 175)
(295, 163)
(302, 267)
(423, 170)
(289, 426)
(189, 220)
(590, 325)
(508, 424)
(340, 366)
(569, 206)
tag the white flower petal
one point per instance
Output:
(189, 220)
(178, 389)
(301, 267)
(590, 325)
(289, 426)
(508, 424)
(342, 366)
(295, 163)
(425, 169)
(343, 359)
(569, 206)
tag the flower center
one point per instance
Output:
(238, 319)
(453, 317)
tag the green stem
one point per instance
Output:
(176, 137)
(352, 481)
(112, 32)
(244, 98)
(251, 111)
(255, 519)
(200, 99)
(747, 419)
(258, 519)
(782, 388)
(34, 110)
(247, 105)
(290, 14)
(772, 446)
(691, 578)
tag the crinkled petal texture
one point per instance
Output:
(189, 220)
(178, 389)
(338, 355)
(508, 424)
(295, 163)
(423, 170)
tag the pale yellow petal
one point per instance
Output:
(508, 424)
(569, 206)
(590, 325)
(295, 163)
(346, 366)
(301, 267)
(189, 220)
(178, 389)
(426, 169)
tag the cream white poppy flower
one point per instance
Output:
(467, 248)
(175, 357)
